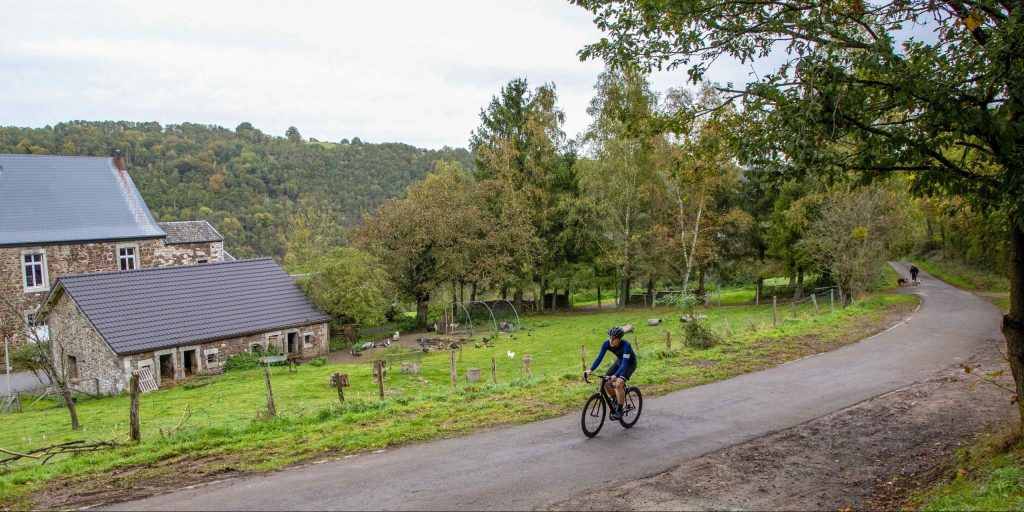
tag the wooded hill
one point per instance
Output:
(256, 189)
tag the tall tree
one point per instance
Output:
(621, 174)
(519, 152)
(854, 93)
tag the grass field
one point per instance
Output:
(987, 476)
(222, 429)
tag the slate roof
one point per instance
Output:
(189, 232)
(49, 199)
(151, 309)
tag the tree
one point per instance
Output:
(853, 94)
(293, 135)
(420, 236)
(350, 285)
(853, 235)
(46, 345)
(518, 149)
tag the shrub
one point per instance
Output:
(698, 335)
(242, 361)
(318, 361)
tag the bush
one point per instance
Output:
(318, 361)
(242, 361)
(698, 335)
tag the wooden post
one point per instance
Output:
(757, 295)
(832, 299)
(494, 371)
(341, 389)
(583, 357)
(133, 390)
(668, 340)
(719, 294)
(814, 300)
(380, 378)
(637, 340)
(526, 366)
(793, 306)
(271, 410)
(775, 318)
(451, 368)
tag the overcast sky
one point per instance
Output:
(416, 72)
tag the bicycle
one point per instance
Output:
(598, 405)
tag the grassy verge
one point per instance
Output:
(987, 476)
(220, 430)
(984, 282)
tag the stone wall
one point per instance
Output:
(188, 254)
(72, 335)
(211, 356)
(81, 258)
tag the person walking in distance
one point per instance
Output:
(913, 273)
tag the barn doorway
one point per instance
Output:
(293, 343)
(167, 367)
(191, 362)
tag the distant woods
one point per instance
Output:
(268, 195)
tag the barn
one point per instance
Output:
(177, 321)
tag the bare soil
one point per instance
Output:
(874, 455)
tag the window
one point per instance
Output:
(202, 261)
(211, 356)
(256, 348)
(72, 367)
(37, 331)
(306, 338)
(34, 266)
(127, 259)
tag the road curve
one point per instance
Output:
(533, 465)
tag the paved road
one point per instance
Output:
(533, 465)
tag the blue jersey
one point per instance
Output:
(624, 353)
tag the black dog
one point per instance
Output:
(901, 282)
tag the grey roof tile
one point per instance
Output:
(142, 310)
(190, 232)
(48, 199)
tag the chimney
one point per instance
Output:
(118, 157)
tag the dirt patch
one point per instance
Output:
(133, 482)
(869, 456)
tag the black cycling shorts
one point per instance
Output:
(626, 374)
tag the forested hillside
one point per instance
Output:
(265, 194)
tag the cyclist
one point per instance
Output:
(620, 371)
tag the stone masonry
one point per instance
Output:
(101, 371)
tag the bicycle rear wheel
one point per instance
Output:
(593, 415)
(631, 408)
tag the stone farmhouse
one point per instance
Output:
(65, 215)
(178, 321)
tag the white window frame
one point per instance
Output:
(42, 330)
(134, 257)
(216, 357)
(45, 286)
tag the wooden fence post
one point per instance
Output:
(668, 340)
(133, 390)
(380, 378)
(271, 410)
(775, 318)
(451, 368)
(337, 383)
(814, 300)
(757, 295)
(719, 294)
(494, 371)
(832, 300)
(583, 357)
(526, 366)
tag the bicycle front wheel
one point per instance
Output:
(593, 415)
(631, 408)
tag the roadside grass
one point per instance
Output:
(987, 476)
(221, 429)
(965, 276)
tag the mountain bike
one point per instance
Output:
(600, 404)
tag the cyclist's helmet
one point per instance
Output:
(616, 332)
